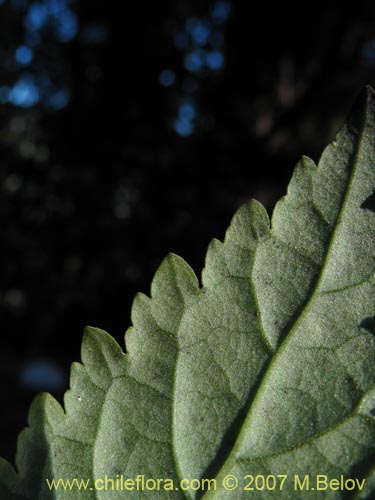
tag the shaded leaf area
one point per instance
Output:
(267, 368)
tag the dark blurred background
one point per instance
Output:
(132, 129)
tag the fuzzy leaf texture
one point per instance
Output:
(266, 369)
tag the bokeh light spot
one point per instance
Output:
(24, 93)
(36, 17)
(187, 110)
(167, 78)
(199, 30)
(23, 55)
(66, 26)
(183, 127)
(59, 99)
(221, 12)
(195, 61)
(42, 374)
(215, 60)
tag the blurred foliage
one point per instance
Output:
(126, 136)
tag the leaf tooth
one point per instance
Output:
(174, 274)
(8, 476)
(215, 268)
(101, 356)
(249, 224)
(174, 287)
(234, 258)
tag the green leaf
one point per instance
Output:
(267, 369)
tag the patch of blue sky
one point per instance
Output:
(221, 11)
(195, 61)
(183, 127)
(215, 60)
(24, 93)
(167, 78)
(23, 55)
(184, 123)
(187, 110)
(56, 7)
(42, 374)
(65, 26)
(36, 16)
(58, 99)
(199, 30)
